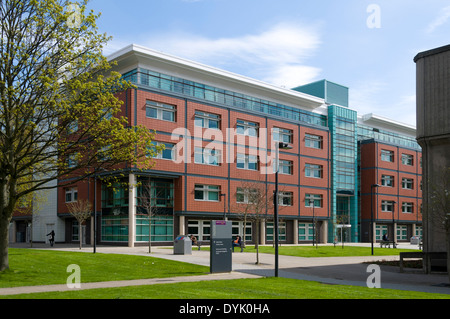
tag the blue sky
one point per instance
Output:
(367, 46)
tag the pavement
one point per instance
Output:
(329, 270)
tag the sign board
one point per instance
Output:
(221, 246)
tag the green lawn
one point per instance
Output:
(325, 251)
(45, 267)
(264, 288)
(29, 267)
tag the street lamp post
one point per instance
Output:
(371, 214)
(284, 146)
(393, 224)
(224, 206)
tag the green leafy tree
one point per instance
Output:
(60, 115)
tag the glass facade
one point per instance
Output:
(212, 94)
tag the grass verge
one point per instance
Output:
(264, 288)
(30, 267)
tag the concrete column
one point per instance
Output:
(262, 232)
(132, 210)
(323, 232)
(295, 232)
(181, 221)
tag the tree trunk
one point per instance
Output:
(4, 243)
(80, 235)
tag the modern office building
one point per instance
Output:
(221, 132)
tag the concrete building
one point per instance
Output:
(221, 129)
(433, 135)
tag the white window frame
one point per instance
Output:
(206, 120)
(246, 160)
(207, 189)
(387, 206)
(311, 169)
(246, 128)
(407, 183)
(408, 159)
(311, 199)
(407, 207)
(160, 109)
(282, 135)
(72, 193)
(289, 196)
(387, 156)
(206, 156)
(386, 180)
(313, 141)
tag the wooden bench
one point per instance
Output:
(385, 243)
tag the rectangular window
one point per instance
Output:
(207, 120)
(313, 170)
(71, 194)
(407, 159)
(305, 231)
(387, 206)
(282, 135)
(285, 198)
(387, 156)
(407, 183)
(168, 153)
(387, 180)
(408, 208)
(247, 128)
(208, 193)
(160, 111)
(285, 167)
(246, 195)
(207, 156)
(313, 141)
(246, 161)
(313, 200)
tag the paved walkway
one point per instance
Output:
(330, 270)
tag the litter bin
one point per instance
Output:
(182, 245)
(415, 240)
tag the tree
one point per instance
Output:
(81, 210)
(60, 116)
(252, 204)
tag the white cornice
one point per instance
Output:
(384, 123)
(133, 56)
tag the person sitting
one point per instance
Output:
(237, 242)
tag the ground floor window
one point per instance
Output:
(305, 231)
(201, 229)
(281, 231)
(161, 228)
(115, 228)
(402, 232)
(418, 231)
(380, 230)
(238, 229)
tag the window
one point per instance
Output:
(305, 231)
(313, 141)
(313, 170)
(207, 156)
(206, 120)
(201, 229)
(281, 231)
(72, 160)
(387, 180)
(313, 199)
(246, 161)
(407, 183)
(387, 206)
(160, 111)
(246, 195)
(71, 195)
(168, 153)
(247, 128)
(285, 198)
(207, 193)
(282, 135)
(285, 167)
(387, 156)
(407, 207)
(407, 159)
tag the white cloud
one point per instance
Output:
(277, 55)
(441, 19)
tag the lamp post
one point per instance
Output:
(224, 206)
(371, 214)
(393, 224)
(283, 146)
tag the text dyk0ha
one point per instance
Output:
(245, 308)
